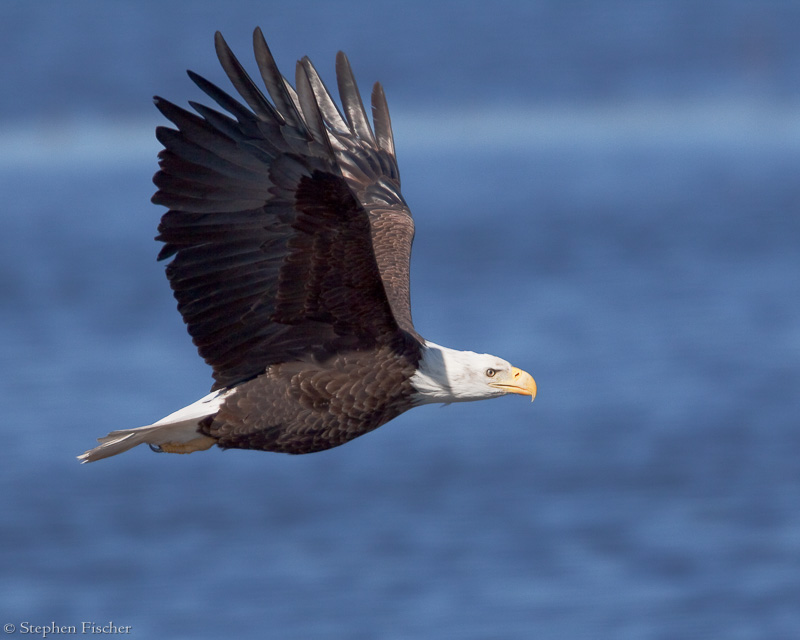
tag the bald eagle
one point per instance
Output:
(290, 246)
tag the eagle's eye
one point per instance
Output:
(490, 373)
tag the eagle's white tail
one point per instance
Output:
(177, 433)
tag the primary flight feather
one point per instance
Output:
(290, 244)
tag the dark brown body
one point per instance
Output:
(303, 407)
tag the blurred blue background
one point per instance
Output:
(606, 194)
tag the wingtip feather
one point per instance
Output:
(351, 99)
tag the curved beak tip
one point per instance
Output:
(523, 384)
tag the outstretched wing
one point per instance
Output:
(273, 247)
(369, 164)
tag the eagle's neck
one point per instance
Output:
(442, 376)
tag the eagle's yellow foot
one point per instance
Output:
(200, 443)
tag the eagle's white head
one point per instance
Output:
(448, 375)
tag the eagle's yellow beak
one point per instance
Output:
(518, 381)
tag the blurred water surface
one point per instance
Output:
(605, 194)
